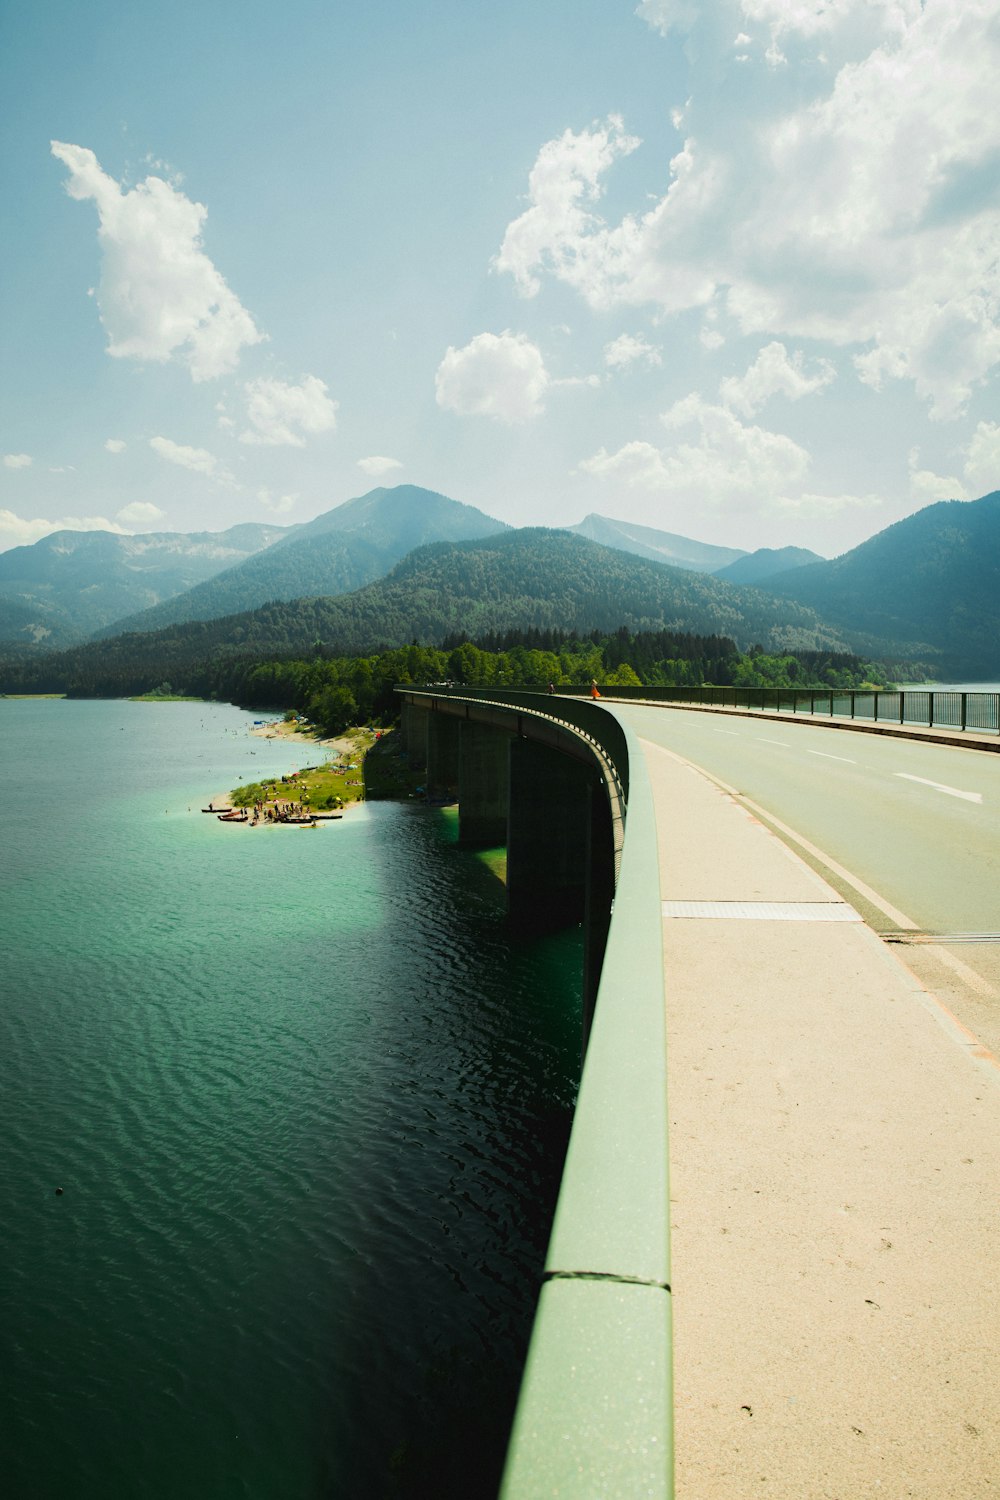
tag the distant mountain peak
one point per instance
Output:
(658, 546)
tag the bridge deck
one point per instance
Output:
(835, 1175)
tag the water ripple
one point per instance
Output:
(307, 1106)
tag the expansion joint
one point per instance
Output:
(660, 1286)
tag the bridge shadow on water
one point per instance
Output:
(435, 1342)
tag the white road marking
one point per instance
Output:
(974, 980)
(845, 758)
(724, 731)
(939, 786)
(782, 743)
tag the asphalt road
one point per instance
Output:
(906, 831)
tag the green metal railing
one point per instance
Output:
(595, 1413)
(928, 707)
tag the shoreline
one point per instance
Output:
(353, 744)
(281, 731)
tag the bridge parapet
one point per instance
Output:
(594, 1416)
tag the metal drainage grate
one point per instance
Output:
(764, 911)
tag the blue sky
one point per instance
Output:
(725, 269)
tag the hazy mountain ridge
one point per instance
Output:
(927, 587)
(657, 546)
(514, 579)
(931, 581)
(766, 562)
(338, 551)
(72, 583)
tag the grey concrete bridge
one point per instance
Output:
(832, 1323)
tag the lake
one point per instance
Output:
(307, 1101)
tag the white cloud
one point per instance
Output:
(19, 531)
(115, 445)
(665, 16)
(927, 487)
(496, 375)
(811, 18)
(557, 232)
(376, 466)
(17, 460)
(726, 460)
(280, 413)
(627, 350)
(140, 513)
(982, 465)
(160, 296)
(639, 464)
(863, 212)
(773, 373)
(278, 505)
(198, 460)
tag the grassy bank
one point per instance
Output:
(368, 764)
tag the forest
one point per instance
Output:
(335, 692)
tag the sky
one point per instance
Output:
(726, 269)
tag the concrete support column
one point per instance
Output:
(547, 837)
(443, 755)
(482, 785)
(413, 727)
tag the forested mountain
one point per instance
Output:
(70, 583)
(23, 627)
(527, 579)
(930, 581)
(338, 551)
(658, 546)
(767, 562)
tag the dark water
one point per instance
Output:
(307, 1104)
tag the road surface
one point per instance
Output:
(908, 832)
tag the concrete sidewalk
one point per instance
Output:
(835, 1185)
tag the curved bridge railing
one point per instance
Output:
(595, 1413)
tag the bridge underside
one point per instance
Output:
(548, 806)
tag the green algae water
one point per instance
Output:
(307, 1103)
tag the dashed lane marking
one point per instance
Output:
(939, 786)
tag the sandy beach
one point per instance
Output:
(282, 731)
(354, 743)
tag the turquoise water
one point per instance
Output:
(307, 1103)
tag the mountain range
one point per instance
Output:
(933, 578)
(71, 583)
(514, 579)
(404, 563)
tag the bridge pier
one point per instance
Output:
(483, 785)
(547, 836)
(444, 735)
(414, 725)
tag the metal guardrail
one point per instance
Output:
(933, 708)
(595, 1413)
(929, 707)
